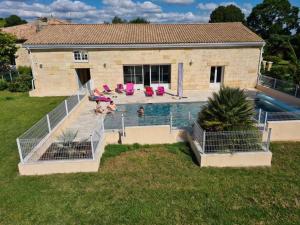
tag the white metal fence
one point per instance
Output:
(230, 141)
(61, 148)
(279, 85)
(119, 121)
(34, 137)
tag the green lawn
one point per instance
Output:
(142, 184)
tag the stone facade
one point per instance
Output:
(22, 57)
(54, 70)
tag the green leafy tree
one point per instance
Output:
(14, 20)
(117, 19)
(273, 17)
(230, 13)
(139, 20)
(280, 51)
(295, 41)
(7, 50)
(227, 110)
(2, 22)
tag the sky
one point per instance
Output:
(99, 11)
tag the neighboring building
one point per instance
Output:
(24, 32)
(67, 56)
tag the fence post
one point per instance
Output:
(32, 84)
(66, 105)
(48, 121)
(20, 150)
(266, 120)
(78, 97)
(204, 139)
(274, 86)
(102, 121)
(171, 122)
(123, 125)
(92, 146)
(259, 115)
(189, 116)
(269, 139)
(296, 90)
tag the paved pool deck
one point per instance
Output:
(87, 120)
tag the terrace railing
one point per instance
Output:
(175, 121)
(230, 141)
(279, 85)
(75, 149)
(35, 136)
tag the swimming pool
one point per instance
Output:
(183, 114)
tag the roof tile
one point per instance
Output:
(109, 34)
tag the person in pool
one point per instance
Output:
(141, 111)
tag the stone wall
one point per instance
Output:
(54, 70)
(22, 57)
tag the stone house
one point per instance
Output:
(64, 57)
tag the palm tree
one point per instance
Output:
(227, 110)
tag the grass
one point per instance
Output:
(137, 184)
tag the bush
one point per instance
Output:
(24, 70)
(21, 84)
(3, 85)
(227, 110)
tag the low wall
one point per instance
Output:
(289, 99)
(239, 159)
(285, 130)
(152, 135)
(63, 166)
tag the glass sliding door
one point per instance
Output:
(146, 70)
(147, 75)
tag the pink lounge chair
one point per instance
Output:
(129, 89)
(149, 92)
(103, 99)
(106, 89)
(160, 91)
(120, 88)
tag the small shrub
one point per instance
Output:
(21, 84)
(3, 85)
(24, 70)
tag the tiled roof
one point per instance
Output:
(126, 34)
(23, 31)
(26, 31)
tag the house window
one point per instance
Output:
(216, 73)
(147, 74)
(81, 56)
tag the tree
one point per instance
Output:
(227, 110)
(7, 50)
(117, 19)
(229, 13)
(295, 41)
(273, 17)
(2, 22)
(139, 20)
(14, 20)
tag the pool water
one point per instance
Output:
(155, 114)
(183, 114)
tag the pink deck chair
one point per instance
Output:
(149, 91)
(120, 88)
(129, 89)
(103, 99)
(160, 91)
(106, 88)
